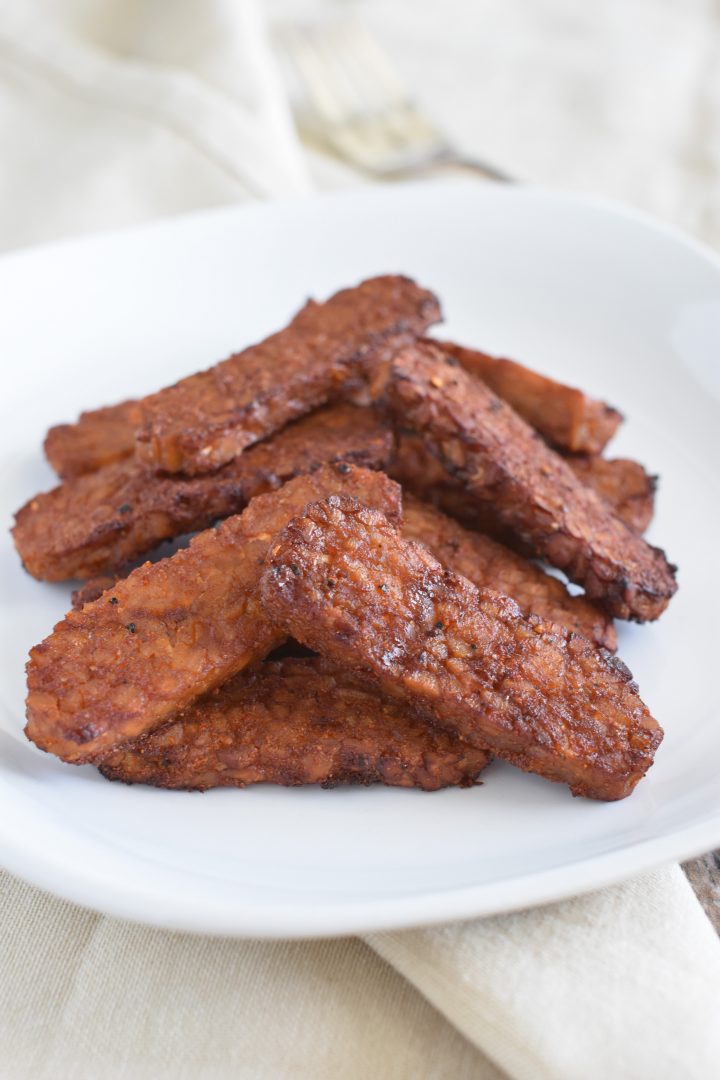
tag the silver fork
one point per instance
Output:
(348, 98)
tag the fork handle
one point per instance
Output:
(481, 168)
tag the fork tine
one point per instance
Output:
(313, 74)
(347, 51)
(359, 104)
(375, 93)
(407, 131)
(348, 122)
(374, 64)
(334, 52)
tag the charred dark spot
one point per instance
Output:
(113, 600)
(330, 583)
(88, 732)
(131, 627)
(125, 508)
(619, 667)
(343, 467)
(383, 587)
(295, 569)
(358, 761)
(439, 624)
(452, 361)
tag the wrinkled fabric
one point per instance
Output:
(113, 113)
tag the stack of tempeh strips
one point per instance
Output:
(439, 645)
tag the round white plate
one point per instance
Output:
(584, 291)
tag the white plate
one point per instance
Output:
(594, 295)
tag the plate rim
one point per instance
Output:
(517, 189)
(240, 918)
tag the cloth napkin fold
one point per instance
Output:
(623, 983)
(116, 111)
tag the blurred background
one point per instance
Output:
(116, 111)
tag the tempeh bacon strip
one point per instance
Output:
(482, 561)
(207, 419)
(490, 565)
(173, 629)
(487, 448)
(297, 721)
(343, 581)
(99, 522)
(623, 484)
(566, 417)
(98, 438)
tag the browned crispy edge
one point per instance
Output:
(627, 488)
(97, 438)
(563, 415)
(92, 590)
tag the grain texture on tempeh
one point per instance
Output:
(342, 580)
(565, 416)
(97, 438)
(487, 448)
(297, 721)
(173, 629)
(207, 419)
(490, 565)
(100, 521)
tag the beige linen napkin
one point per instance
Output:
(624, 983)
(115, 111)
